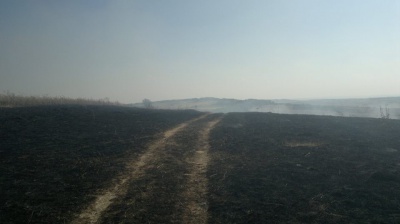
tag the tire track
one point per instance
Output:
(195, 195)
(94, 211)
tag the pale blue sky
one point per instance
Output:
(130, 50)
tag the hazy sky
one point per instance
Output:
(266, 49)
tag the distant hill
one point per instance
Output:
(211, 104)
(367, 107)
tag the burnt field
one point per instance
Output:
(53, 159)
(270, 168)
(113, 164)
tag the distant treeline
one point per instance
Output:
(12, 100)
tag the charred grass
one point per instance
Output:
(53, 159)
(270, 168)
(263, 168)
(156, 196)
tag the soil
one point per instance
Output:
(109, 164)
(136, 168)
(168, 192)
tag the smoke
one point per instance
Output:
(344, 108)
(372, 110)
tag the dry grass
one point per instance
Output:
(12, 100)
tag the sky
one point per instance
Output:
(254, 49)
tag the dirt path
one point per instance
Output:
(196, 205)
(94, 211)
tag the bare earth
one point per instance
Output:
(195, 206)
(196, 189)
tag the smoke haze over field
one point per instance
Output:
(130, 50)
(388, 107)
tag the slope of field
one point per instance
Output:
(109, 164)
(54, 159)
(270, 168)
